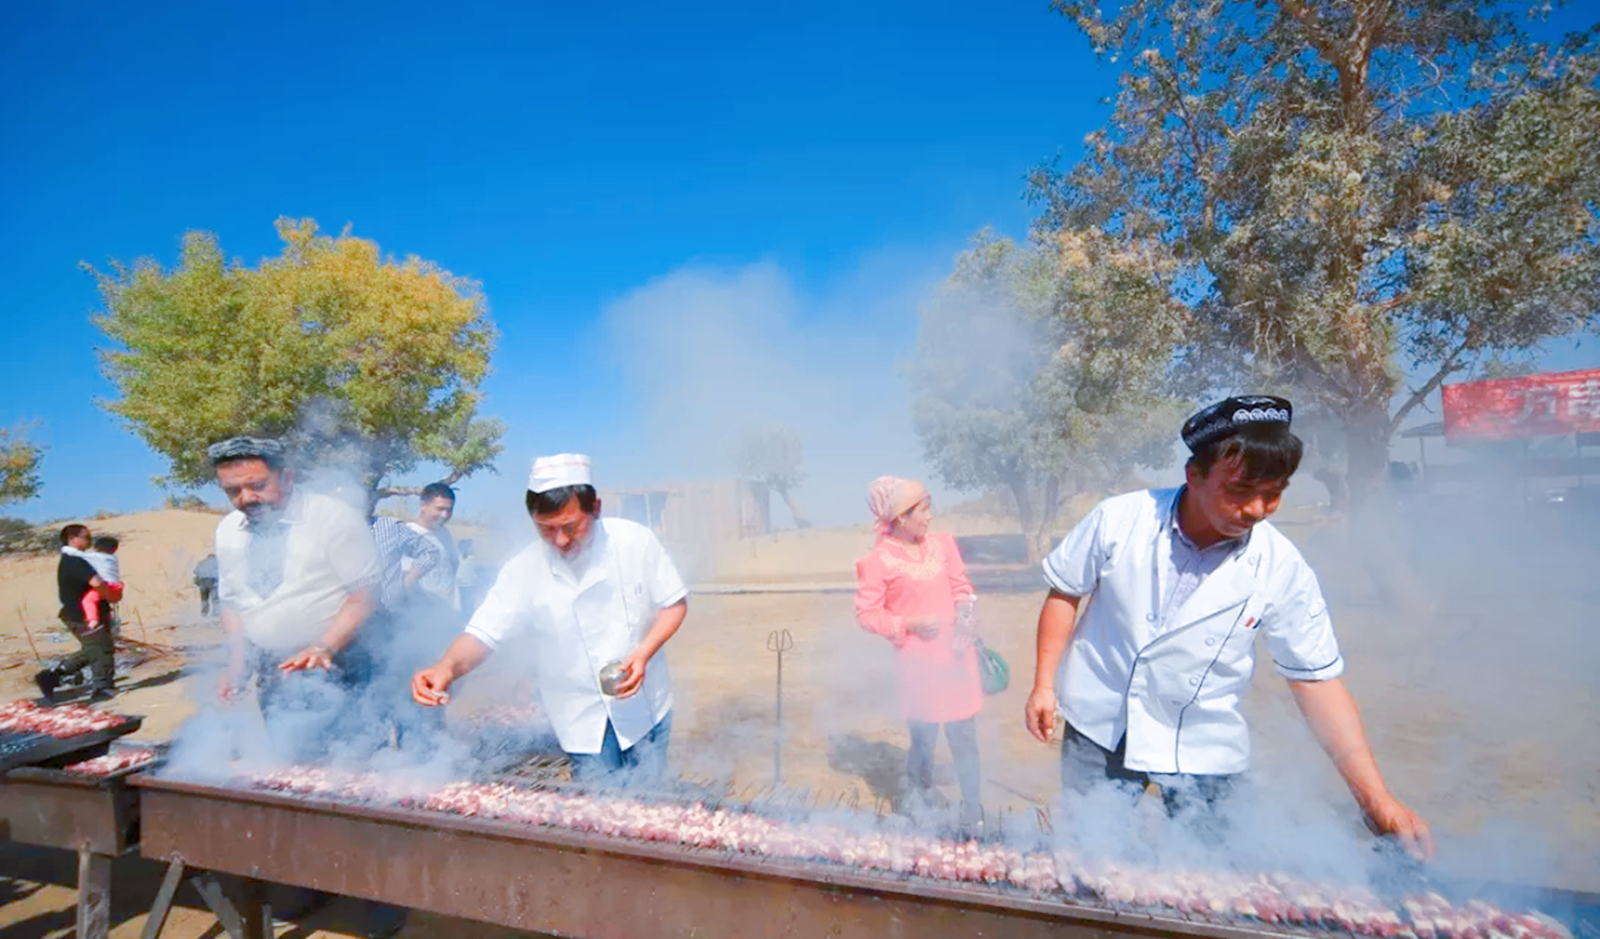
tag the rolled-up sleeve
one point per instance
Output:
(499, 616)
(1075, 566)
(1300, 632)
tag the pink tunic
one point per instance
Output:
(937, 685)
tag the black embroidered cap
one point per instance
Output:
(1233, 414)
(246, 448)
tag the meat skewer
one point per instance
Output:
(67, 720)
(114, 762)
(1267, 898)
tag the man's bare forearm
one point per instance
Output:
(233, 636)
(1057, 620)
(466, 653)
(102, 588)
(347, 622)
(668, 619)
(1335, 721)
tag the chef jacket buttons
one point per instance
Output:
(1212, 641)
(1194, 681)
(1150, 617)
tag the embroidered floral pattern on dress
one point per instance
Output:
(931, 565)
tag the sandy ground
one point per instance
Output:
(1478, 689)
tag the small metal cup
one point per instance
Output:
(610, 677)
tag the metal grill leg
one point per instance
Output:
(217, 901)
(257, 924)
(157, 920)
(94, 895)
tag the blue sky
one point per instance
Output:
(565, 157)
(684, 216)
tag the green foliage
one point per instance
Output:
(18, 537)
(189, 502)
(19, 466)
(978, 354)
(348, 354)
(1349, 192)
(1040, 371)
(773, 456)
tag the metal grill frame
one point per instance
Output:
(95, 816)
(579, 884)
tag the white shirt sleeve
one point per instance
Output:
(351, 551)
(1300, 632)
(230, 561)
(666, 585)
(1075, 566)
(499, 616)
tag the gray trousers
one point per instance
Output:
(96, 652)
(963, 739)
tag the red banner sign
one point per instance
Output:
(1532, 406)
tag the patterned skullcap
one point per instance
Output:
(265, 449)
(1231, 415)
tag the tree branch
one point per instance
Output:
(1307, 19)
(1393, 303)
(454, 476)
(1450, 366)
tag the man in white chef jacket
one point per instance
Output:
(592, 592)
(1173, 587)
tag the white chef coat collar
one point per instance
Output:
(1232, 545)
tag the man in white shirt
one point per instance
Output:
(593, 593)
(298, 577)
(1178, 584)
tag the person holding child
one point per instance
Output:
(86, 599)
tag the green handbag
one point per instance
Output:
(996, 675)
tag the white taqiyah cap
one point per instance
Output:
(563, 469)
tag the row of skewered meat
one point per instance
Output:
(1267, 898)
(67, 720)
(117, 761)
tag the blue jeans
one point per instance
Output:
(644, 763)
(1085, 764)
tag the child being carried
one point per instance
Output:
(103, 558)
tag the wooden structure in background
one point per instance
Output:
(696, 514)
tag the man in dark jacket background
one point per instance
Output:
(76, 577)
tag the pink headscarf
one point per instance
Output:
(890, 497)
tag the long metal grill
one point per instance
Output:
(541, 855)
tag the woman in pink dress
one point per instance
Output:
(912, 589)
